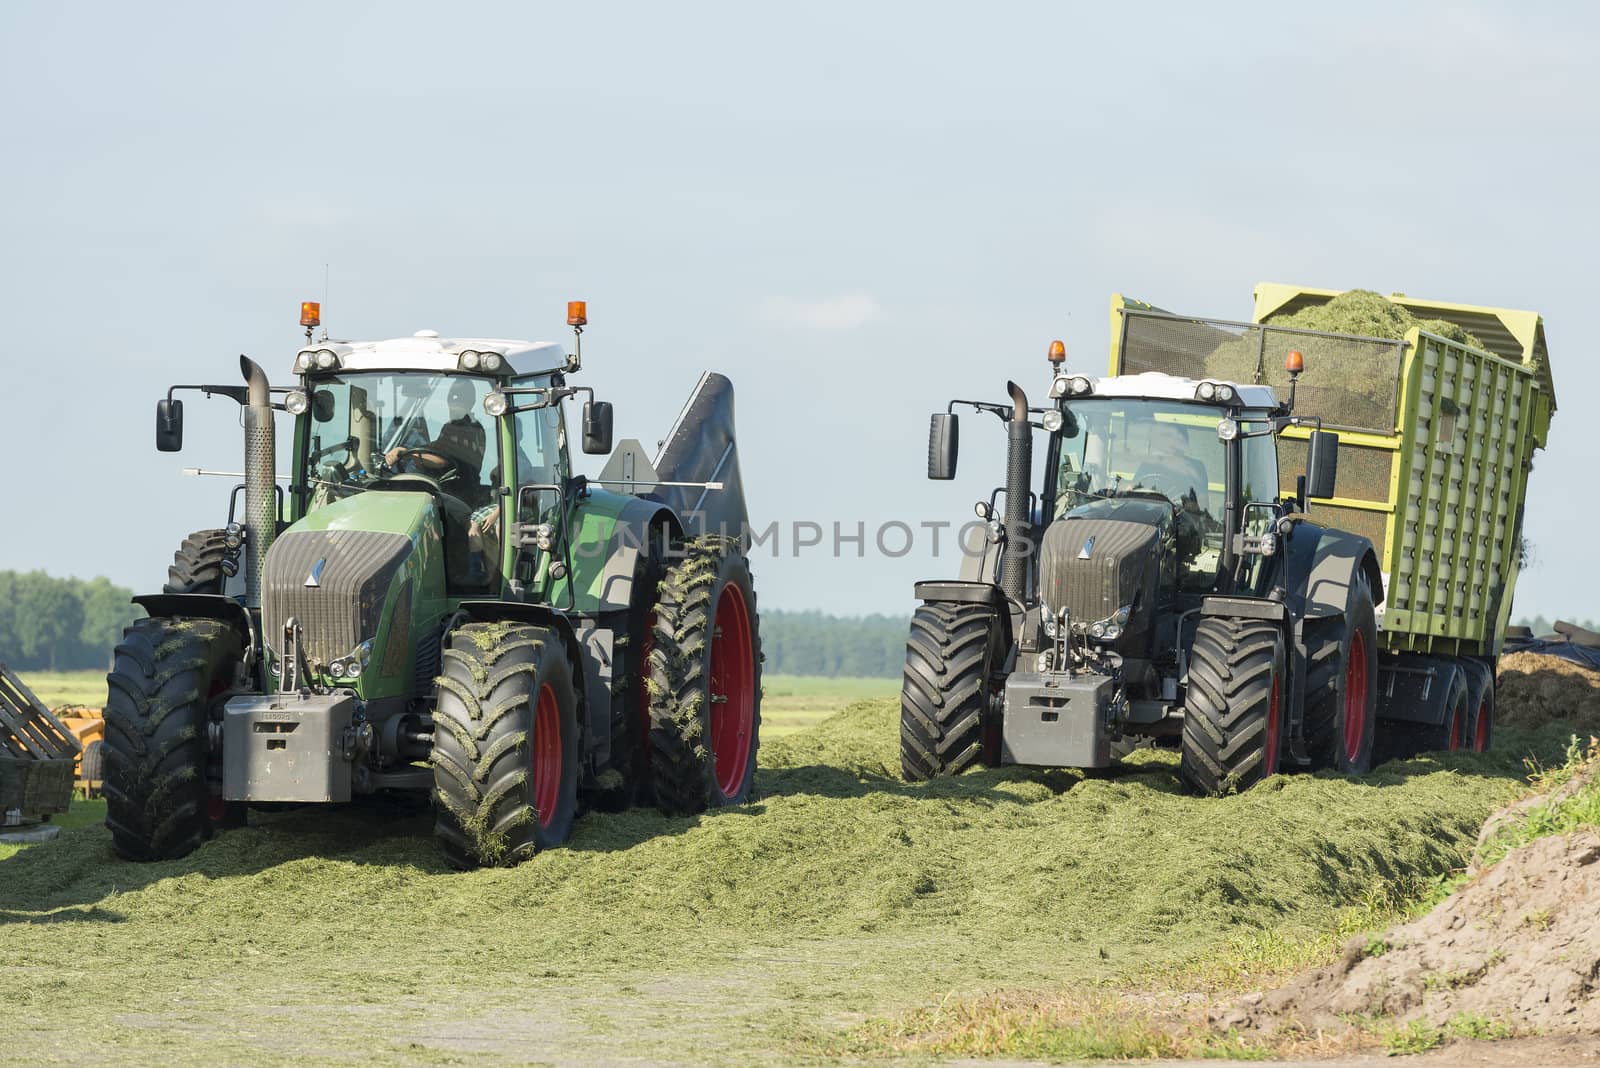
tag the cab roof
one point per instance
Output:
(1154, 385)
(427, 351)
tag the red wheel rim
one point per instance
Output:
(1355, 697)
(733, 691)
(546, 755)
(1457, 729)
(1273, 723)
(1480, 732)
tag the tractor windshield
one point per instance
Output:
(1113, 447)
(366, 427)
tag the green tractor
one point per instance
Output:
(434, 604)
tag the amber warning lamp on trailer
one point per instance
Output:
(1058, 353)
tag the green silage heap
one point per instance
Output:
(1347, 383)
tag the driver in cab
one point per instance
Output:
(1169, 467)
(456, 454)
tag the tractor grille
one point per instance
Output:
(342, 610)
(1121, 563)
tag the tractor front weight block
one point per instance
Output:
(288, 747)
(1057, 720)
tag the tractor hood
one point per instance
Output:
(350, 572)
(1104, 556)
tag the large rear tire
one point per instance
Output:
(505, 744)
(1346, 741)
(1233, 714)
(159, 800)
(200, 565)
(944, 693)
(705, 680)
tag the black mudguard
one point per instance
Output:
(590, 644)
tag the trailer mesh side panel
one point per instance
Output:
(1352, 383)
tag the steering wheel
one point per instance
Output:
(1164, 479)
(425, 463)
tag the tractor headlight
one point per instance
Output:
(469, 360)
(353, 671)
(1122, 615)
(1042, 664)
(1112, 633)
(1097, 629)
(1049, 626)
(1227, 430)
(1225, 394)
(1078, 386)
(303, 362)
(326, 358)
(1058, 388)
(1207, 391)
(336, 669)
(492, 361)
(233, 537)
(1052, 420)
(296, 403)
(494, 404)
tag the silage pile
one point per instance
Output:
(1348, 384)
(1536, 690)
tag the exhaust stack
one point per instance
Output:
(1019, 467)
(260, 480)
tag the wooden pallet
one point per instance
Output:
(27, 728)
(37, 754)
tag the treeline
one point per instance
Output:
(1542, 626)
(811, 643)
(60, 624)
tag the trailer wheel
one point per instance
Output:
(944, 693)
(705, 680)
(505, 744)
(92, 767)
(1233, 714)
(627, 782)
(197, 566)
(159, 804)
(1347, 739)
(1480, 706)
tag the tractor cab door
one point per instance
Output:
(539, 470)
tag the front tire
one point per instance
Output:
(1233, 714)
(705, 680)
(159, 804)
(944, 693)
(505, 744)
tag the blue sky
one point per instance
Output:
(855, 211)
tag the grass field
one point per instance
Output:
(57, 688)
(798, 928)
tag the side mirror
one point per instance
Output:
(597, 427)
(169, 425)
(1322, 464)
(943, 442)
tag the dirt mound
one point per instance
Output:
(1535, 690)
(1520, 945)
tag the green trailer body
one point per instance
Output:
(1436, 442)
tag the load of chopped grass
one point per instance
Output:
(758, 931)
(1347, 383)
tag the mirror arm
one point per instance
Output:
(238, 394)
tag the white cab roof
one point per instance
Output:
(427, 351)
(1153, 385)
